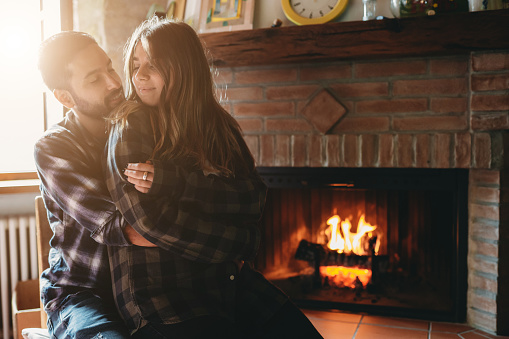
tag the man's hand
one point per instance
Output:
(135, 238)
(141, 175)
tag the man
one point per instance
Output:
(76, 289)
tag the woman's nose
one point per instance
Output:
(141, 74)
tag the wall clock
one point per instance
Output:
(311, 12)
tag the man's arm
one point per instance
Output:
(201, 218)
(71, 181)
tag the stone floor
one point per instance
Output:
(340, 325)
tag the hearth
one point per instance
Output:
(386, 241)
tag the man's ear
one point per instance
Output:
(64, 97)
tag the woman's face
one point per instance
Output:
(147, 80)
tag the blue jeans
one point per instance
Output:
(86, 315)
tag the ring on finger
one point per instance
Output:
(145, 175)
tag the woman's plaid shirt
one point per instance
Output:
(202, 226)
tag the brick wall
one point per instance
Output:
(398, 113)
(435, 112)
(484, 235)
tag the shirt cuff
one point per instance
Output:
(157, 182)
(111, 233)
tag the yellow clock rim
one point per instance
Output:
(297, 19)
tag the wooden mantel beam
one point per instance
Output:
(445, 34)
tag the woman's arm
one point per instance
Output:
(201, 218)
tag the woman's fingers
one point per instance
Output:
(141, 167)
(140, 175)
(134, 178)
(142, 189)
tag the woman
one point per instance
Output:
(201, 211)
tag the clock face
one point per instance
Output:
(312, 12)
(313, 9)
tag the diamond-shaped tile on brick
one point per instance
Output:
(323, 111)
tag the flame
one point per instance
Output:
(343, 240)
(342, 276)
(336, 240)
(348, 242)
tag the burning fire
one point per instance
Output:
(342, 276)
(347, 241)
(343, 240)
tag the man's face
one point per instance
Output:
(94, 84)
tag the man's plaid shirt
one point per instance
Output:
(201, 225)
(80, 211)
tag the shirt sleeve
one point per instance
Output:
(229, 197)
(203, 218)
(79, 190)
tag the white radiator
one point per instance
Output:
(18, 260)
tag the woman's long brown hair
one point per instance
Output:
(188, 122)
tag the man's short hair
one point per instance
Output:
(55, 55)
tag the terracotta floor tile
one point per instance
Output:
(332, 315)
(334, 329)
(385, 332)
(491, 335)
(442, 335)
(395, 322)
(343, 325)
(473, 335)
(449, 327)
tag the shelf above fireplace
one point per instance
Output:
(445, 34)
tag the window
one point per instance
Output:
(22, 102)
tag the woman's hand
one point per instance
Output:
(209, 169)
(140, 175)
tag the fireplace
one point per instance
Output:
(426, 113)
(409, 227)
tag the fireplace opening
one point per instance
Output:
(381, 241)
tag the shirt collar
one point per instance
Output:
(78, 129)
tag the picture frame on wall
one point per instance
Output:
(175, 9)
(192, 13)
(225, 15)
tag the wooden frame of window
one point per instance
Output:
(20, 182)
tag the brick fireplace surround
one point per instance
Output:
(411, 112)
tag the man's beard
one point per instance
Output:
(96, 110)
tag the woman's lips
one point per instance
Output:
(145, 90)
